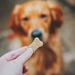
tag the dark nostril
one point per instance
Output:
(36, 34)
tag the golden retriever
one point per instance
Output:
(40, 19)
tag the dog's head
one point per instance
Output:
(36, 19)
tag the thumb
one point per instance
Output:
(25, 56)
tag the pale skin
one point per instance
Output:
(12, 63)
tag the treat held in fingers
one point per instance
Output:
(35, 44)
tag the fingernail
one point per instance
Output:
(27, 67)
(30, 50)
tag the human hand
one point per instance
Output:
(12, 62)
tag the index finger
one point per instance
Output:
(25, 56)
(13, 54)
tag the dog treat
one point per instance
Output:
(35, 44)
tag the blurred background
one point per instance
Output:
(66, 32)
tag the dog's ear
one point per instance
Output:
(56, 14)
(13, 21)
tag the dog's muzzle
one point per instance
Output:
(35, 34)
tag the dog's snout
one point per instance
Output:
(36, 34)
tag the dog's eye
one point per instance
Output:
(43, 16)
(26, 19)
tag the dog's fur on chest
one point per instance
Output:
(45, 18)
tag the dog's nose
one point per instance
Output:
(36, 34)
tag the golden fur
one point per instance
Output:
(25, 19)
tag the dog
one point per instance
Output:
(40, 19)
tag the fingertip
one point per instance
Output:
(30, 50)
(25, 56)
(25, 69)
